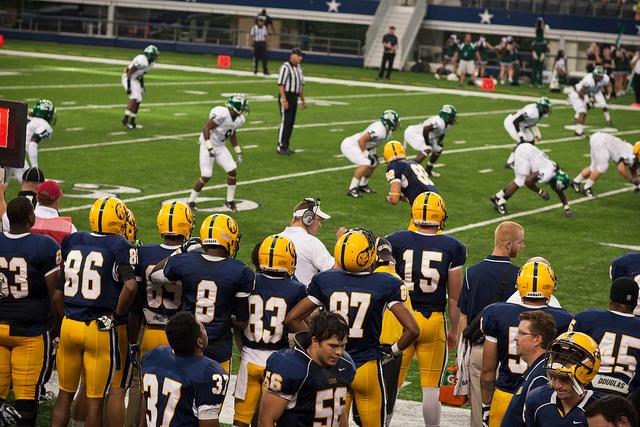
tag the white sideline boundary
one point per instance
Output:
(95, 85)
(326, 80)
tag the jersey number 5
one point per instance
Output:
(429, 277)
(328, 415)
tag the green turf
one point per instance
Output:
(168, 164)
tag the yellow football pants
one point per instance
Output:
(246, 408)
(499, 405)
(152, 337)
(430, 348)
(122, 373)
(367, 389)
(85, 348)
(23, 362)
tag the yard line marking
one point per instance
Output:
(95, 85)
(327, 80)
(619, 246)
(122, 132)
(179, 114)
(460, 142)
(74, 129)
(195, 92)
(501, 218)
(485, 171)
(69, 103)
(250, 146)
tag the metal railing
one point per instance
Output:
(412, 29)
(374, 29)
(198, 34)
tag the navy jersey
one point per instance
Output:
(424, 262)
(25, 261)
(618, 336)
(535, 376)
(269, 303)
(627, 265)
(158, 302)
(292, 375)
(361, 299)
(500, 325)
(544, 409)
(211, 287)
(412, 177)
(179, 391)
(92, 285)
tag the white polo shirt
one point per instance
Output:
(313, 256)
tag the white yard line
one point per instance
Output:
(620, 246)
(95, 85)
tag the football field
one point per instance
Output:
(91, 154)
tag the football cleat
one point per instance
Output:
(353, 192)
(500, 207)
(536, 280)
(580, 134)
(175, 219)
(610, 123)
(589, 193)
(108, 215)
(576, 187)
(366, 189)
(575, 355)
(429, 209)
(277, 254)
(125, 121)
(231, 206)
(221, 230)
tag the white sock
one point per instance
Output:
(588, 184)
(127, 113)
(193, 196)
(75, 423)
(578, 179)
(354, 183)
(579, 128)
(231, 192)
(607, 116)
(364, 181)
(32, 151)
(431, 407)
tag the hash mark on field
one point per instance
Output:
(586, 155)
(546, 150)
(439, 165)
(74, 129)
(336, 130)
(179, 114)
(195, 92)
(338, 156)
(145, 110)
(250, 146)
(619, 246)
(543, 125)
(256, 122)
(68, 102)
(121, 132)
(485, 171)
(460, 142)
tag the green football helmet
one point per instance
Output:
(45, 110)
(238, 103)
(151, 52)
(390, 118)
(560, 181)
(448, 113)
(598, 71)
(544, 105)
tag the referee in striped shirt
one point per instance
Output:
(259, 35)
(290, 88)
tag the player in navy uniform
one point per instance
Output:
(536, 283)
(99, 286)
(617, 331)
(572, 361)
(275, 293)
(407, 179)
(627, 265)
(182, 388)
(215, 287)
(431, 265)
(361, 297)
(536, 331)
(29, 273)
(313, 375)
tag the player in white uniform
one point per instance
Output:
(360, 149)
(532, 166)
(133, 82)
(222, 125)
(39, 128)
(605, 148)
(522, 126)
(427, 137)
(593, 86)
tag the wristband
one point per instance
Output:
(237, 149)
(541, 191)
(395, 350)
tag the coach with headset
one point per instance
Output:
(313, 256)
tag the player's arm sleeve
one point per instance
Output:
(53, 258)
(615, 271)
(459, 257)
(209, 395)
(281, 378)
(170, 272)
(488, 324)
(314, 293)
(393, 174)
(242, 295)
(322, 259)
(397, 294)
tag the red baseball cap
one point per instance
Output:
(48, 191)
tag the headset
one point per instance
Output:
(313, 205)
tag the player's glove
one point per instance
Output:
(485, 415)
(106, 322)
(543, 194)
(55, 343)
(134, 352)
(209, 146)
(239, 158)
(193, 244)
(8, 415)
(389, 352)
(128, 87)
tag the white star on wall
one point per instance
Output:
(333, 6)
(485, 17)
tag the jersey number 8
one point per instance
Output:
(77, 267)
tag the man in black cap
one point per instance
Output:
(617, 332)
(290, 88)
(31, 179)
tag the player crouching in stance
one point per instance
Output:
(604, 148)
(275, 291)
(407, 179)
(315, 374)
(181, 386)
(133, 82)
(427, 137)
(592, 86)
(222, 125)
(361, 297)
(522, 126)
(573, 360)
(531, 167)
(360, 149)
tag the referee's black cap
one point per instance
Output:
(33, 174)
(297, 51)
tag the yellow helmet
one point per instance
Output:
(394, 150)
(576, 355)
(636, 150)
(108, 215)
(175, 219)
(536, 280)
(130, 227)
(355, 250)
(221, 230)
(277, 254)
(429, 209)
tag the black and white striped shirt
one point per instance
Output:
(259, 34)
(291, 78)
